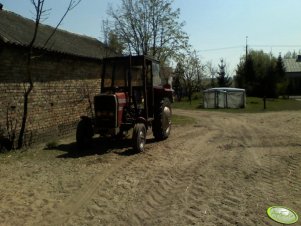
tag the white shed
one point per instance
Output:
(224, 97)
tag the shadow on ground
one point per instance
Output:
(99, 146)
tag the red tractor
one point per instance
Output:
(132, 97)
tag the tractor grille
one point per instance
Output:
(105, 111)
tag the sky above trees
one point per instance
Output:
(216, 28)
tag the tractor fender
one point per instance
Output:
(141, 120)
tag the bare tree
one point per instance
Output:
(28, 85)
(211, 73)
(192, 73)
(150, 27)
(105, 30)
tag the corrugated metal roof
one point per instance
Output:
(17, 30)
(292, 65)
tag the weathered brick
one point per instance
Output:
(58, 99)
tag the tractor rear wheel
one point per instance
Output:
(139, 137)
(84, 132)
(162, 123)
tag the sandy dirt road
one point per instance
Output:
(226, 169)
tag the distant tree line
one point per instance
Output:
(291, 55)
(262, 75)
(192, 76)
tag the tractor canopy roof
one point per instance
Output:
(126, 71)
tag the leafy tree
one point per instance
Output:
(149, 27)
(223, 80)
(261, 74)
(115, 44)
(177, 81)
(111, 40)
(282, 80)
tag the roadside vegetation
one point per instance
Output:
(180, 120)
(254, 105)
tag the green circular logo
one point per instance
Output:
(282, 214)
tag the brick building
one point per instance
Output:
(65, 72)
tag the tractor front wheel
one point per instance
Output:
(139, 137)
(162, 123)
(84, 132)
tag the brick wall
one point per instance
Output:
(63, 86)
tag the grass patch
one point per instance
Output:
(254, 105)
(182, 120)
(186, 105)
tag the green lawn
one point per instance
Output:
(254, 105)
(182, 120)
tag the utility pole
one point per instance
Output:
(246, 47)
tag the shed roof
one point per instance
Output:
(17, 30)
(292, 65)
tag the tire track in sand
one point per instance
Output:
(164, 201)
(274, 177)
(121, 192)
(70, 206)
(79, 200)
(240, 143)
(183, 192)
(229, 202)
(179, 195)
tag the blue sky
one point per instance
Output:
(217, 28)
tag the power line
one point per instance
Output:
(278, 46)
(250, 46)
(223, 48)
